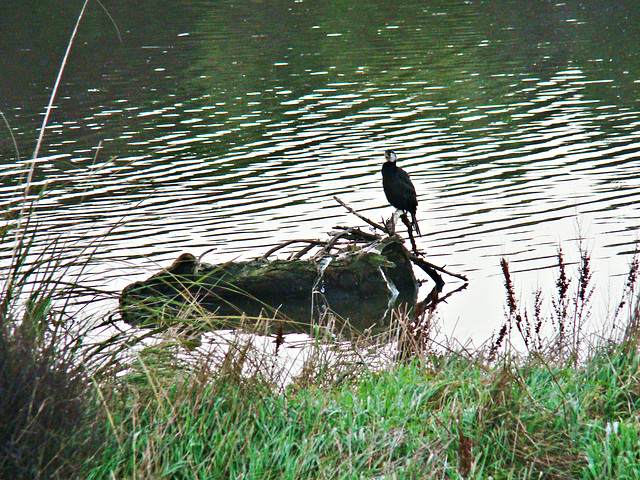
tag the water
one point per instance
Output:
(231, 125)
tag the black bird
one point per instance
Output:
(398, 188)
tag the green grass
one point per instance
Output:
(436, 418)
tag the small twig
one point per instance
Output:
(356, 234)
(289, 242)
(204, 253)
(452, 292)
(330, 244)
(420, 262)
(360, 216)
(301, 253)
(440, 300)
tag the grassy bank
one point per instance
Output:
(441, 416)
(444, 416)
(450, 417)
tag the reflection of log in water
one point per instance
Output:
(354, 275)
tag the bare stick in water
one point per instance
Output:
(360, 216)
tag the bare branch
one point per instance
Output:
(423, 263)
(330, 244)
(429, 268)
(360, 216)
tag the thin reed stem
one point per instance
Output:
(53, 94)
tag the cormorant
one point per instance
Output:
(398, 188)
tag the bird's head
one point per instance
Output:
(390, 156)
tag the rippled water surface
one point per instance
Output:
(232, 124)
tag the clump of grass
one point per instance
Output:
(48, 420)
(415, 332)
(559, 416)
(51, 425)
(571, 311)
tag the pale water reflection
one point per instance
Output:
(233, 124)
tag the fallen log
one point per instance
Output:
(359, 287)
(354, 275)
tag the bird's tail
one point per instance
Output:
(414, 224)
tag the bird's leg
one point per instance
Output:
(407, 223)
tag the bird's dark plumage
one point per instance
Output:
(398, 188)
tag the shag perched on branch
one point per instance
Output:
(398, 188)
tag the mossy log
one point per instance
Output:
(355, 276)
(358, 285)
